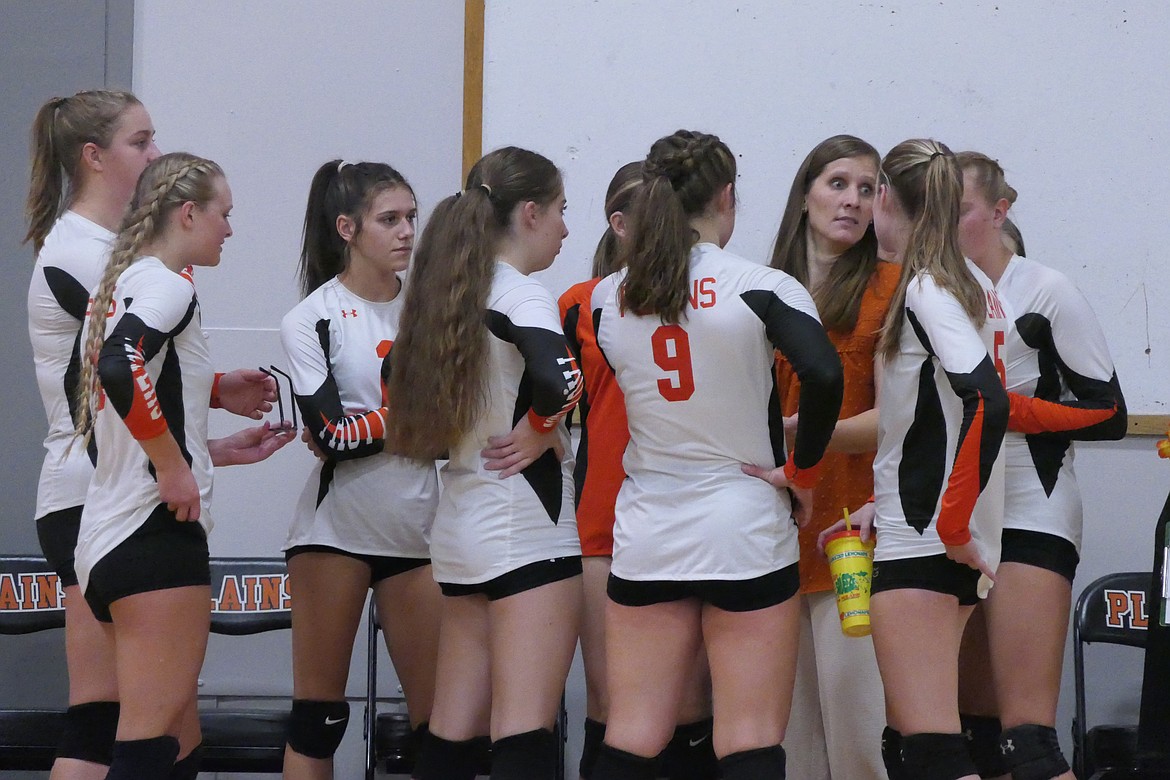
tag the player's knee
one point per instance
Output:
(89, 732)
(1032, 752)
(939, 756)
(591, 746)
(892, 753)
(982, 734)
(315, 728)
(524, 756)
(690, 755)
(756, 764)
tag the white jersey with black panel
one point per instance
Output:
(361, 499)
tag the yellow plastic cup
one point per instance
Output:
(851, 564)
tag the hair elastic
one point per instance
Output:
(342, 164)
(487, 188)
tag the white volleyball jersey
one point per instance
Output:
(156, 376)
(1059, 355)
(362, 499)
(69, 265)
(486, 526)
(938, 476)
(701, 401)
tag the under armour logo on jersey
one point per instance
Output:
(1007, 747)
(346, 313)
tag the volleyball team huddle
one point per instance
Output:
(898, 357)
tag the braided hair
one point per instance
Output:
(681, 176)
(166, 184)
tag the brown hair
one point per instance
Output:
(681, 175)
(338, 188)
(989, 177)
(437, 383)
(838, 298)
(62, 126)
(924, 177)
(167, 183)
(618, 197)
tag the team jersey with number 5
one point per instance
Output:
(701, 401)
(360, 499)
(938, 477)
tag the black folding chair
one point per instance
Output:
(1110, 610)
(249, 596)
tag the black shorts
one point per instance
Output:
(57, 533)
(1044, 551)
(519, 580)
(729, 595)
(382, 567)
(162, 554)
(932, 572)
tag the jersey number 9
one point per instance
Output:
(672, 353)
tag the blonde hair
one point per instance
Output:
(438, 378)
(989, 178)
(926, 179)
(62, 126)
(166, 184)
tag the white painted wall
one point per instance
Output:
(1070, 97)
(270, 90)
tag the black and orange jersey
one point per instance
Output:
(604, 432)
(486, 526)
(69, 265)
(360, 499)
(943, 415)
(1063, 388)
(701, 401)
(156, 376)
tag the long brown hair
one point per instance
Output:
(838, 298)
(681, 175)
(926, 180)
(61, 127)
(622, 188)
(166, 184)
(437, 383)
(338, 188)
(989, 177)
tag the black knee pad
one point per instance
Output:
(690, 755)
(187, 768)
(1032, 752)
(315, 728)
(445, 759)
(614, 764)
(89, 732)
(892, 753)
(982, 734)
(139, 758)
(936, 756)
(594, 734)
(766, 763)
(528, 756)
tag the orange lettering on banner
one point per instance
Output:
(1116, 606)
(229, 596)
(27, 582)
(8, 598)
(47, 591)
(270, 592)
(1137, 610)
